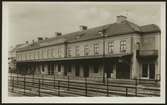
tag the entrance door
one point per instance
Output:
(108, 69)
(122, 71)
(86, 71)
(148, 71)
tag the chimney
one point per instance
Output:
(82, 27)
(58, 33)
(46, 38)
(121, 18)
(33, 41)
(40, 38)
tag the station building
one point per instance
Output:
(120, 50)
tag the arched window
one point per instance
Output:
(138, 45)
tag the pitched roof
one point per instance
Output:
(110, 30)
(150, 28)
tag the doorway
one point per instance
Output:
(108, 68)
(148, 71)
(86, 70)
(122, 71)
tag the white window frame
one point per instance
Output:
(123, 46)
(110, 47)
(96, 49)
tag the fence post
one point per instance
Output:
(136, 87)
(33, 79)
(86, 93)
(24, 84)
(107, 88)
(13, 85)
(68, 83)
(54, 81)
(17, 78)
(126, 91)
(42, 80)
(39, 86)
(58, 87)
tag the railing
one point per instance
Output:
(38, 86)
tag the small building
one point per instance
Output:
(121, 50)
(12, 56)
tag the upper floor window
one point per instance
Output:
(96, 49)
(51, 51)
(86, 50)
(138, 45)
(69, 52)
(59, 52)
(48, 53)
(123, 45)
(77, 51)
(110, 47)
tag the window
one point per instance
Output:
(42, 53)
(48, 51)
(43, 68)
(110, 47)
(29, 55)
(77, 71)
(77, 50)
(69, 67)
(96, 49)
(69, 52)
(86, 50)
(34, 53)
(96, 68)
(51, 51)
(38, 54)
(59, 68)
(123, 45)
(59, 52)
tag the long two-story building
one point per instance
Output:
(121, 50)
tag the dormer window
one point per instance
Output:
(79, 36)
(102, 32)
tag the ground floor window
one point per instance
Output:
(69, 68)
(43, 68)
(59, 68)
(96, 68)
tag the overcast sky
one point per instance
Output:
(27, 21)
